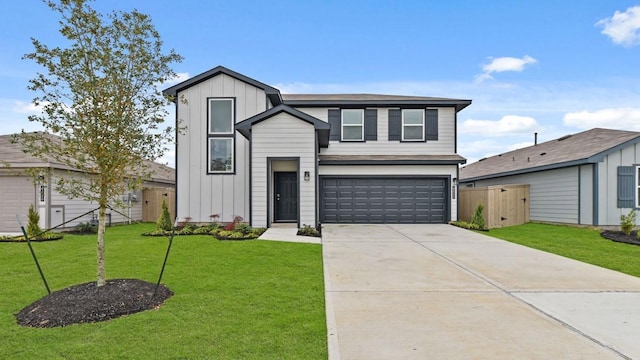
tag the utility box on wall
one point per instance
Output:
(504, 205)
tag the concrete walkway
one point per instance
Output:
(441, 292)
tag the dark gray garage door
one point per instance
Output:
(384, 200)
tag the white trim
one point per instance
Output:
(637, 186)
(343, 125)
(414, 125)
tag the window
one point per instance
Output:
(220, 155)
(221, 116)
(353, 125)
(638, 186)
(413, 125)
(221, 135)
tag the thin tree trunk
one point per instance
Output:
(101, 227)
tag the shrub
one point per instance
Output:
(308, 230)
(243, 228)
(188, 229)
(478, 219)
(85, 228)
(164, 221)
(628, 222)
(33, 229)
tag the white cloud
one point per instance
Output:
(623, 27)
(21, 107)
(503, 64)
(508, 125)
(180, 77)
(613, 118)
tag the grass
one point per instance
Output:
(233, 299)
(577, 243)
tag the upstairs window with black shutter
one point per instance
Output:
(355, 125)
(413, 125)
(352, 125)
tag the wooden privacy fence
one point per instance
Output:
(504, 205)
(152, 203)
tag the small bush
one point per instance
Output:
(188, 229)
(308, 230)
(628, 222)
(244, 228)
(478, 219)
(164, 221)
(85, 228)
(33, 229)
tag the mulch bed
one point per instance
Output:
(86, 303)
(619, 236)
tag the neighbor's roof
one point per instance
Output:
(370, 99)
(13, 157)
(590, 146)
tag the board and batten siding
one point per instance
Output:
(608, 211)
(282, 136)
(445, 145)
(200, 195)
(399, 171)
(554, 193)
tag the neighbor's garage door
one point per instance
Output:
(16, 194)
(384, 200)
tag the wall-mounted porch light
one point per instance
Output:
(307, 176)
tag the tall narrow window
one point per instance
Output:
(221, 135)
(352, 125)
(638, 186)
(412, 125)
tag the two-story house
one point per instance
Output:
(250, 151)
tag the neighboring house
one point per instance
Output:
(18, 191)
(250, 151)
(588, 178)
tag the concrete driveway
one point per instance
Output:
(441, 292)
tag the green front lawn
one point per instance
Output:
(233, 299)
(582, 244)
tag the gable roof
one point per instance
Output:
(272, 93)
(321, 127)
(13, 157)
(370, 99)
(590, 146)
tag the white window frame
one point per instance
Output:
(343, 125)
(637, 186)
(414, 125)
(213, 136)
(210, 120)
(230, 166)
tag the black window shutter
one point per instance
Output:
(626, 187)
(334, 122)
(395, 125)
(431, 125)
(371, 124)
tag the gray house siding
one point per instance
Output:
(554, 193)
(199, 194)
(586, 195)
(608, 211)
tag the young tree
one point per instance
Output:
(100, 99)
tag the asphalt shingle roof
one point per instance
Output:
(12, 156)
(568, 150)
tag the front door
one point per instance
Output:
(286, 196)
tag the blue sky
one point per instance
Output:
(552, 67)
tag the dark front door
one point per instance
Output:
(286, 196)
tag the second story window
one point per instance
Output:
(221, 136)
(352, 125)
(412, 125)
